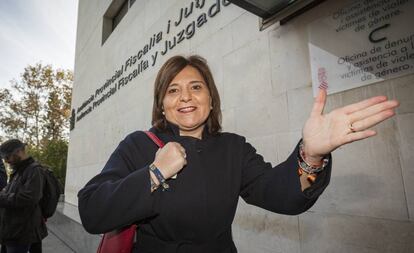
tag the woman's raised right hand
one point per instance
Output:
(170, 159)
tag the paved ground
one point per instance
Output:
(52, 244)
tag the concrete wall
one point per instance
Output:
(265, 85)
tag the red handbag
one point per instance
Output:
(118, 241)
(122, 240)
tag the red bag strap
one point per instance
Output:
(155, 139)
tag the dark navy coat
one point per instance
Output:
(197, 213)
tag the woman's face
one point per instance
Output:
(187, 102)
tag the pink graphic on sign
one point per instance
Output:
(323, 80)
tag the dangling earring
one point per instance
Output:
(163, 113)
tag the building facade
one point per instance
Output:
(265, 82)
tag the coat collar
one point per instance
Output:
(23, 164)
(174, 130)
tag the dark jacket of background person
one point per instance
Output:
(201, 205)
(3, 175)
(21, 219)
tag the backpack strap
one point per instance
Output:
(155, 139)
(34, 164)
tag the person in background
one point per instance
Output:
(3, 175)
(194, 212)
(21, 220)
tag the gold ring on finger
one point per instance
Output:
(352, 128)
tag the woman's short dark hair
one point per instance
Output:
(164, 77)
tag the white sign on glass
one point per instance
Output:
(365, 42)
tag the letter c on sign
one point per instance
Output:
(371, 37)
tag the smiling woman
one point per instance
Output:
(187, 102)
(194, 212)
(177, 81)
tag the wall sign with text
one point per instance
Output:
(177, 30)
(365, 42)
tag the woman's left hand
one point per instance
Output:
(323, 133)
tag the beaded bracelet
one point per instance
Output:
(307, 167)
(311, 177)
(312, 171)
(159, 176)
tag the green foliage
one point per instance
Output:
(36, 110)
(37, 107)
(53, 155)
